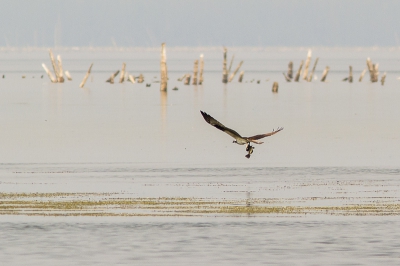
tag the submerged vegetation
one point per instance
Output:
(99, 204)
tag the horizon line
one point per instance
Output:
(190, 48)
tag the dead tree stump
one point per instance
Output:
(201, 79)
(68, 75)
(230, 64)
(241, 76)
(290, 70)
(299, 71)
(313, 70)
(195, 70)
(187, 79)
(286, 77)
(131, 78)
(60, 69)
(375, 72)
(383, 78)
(122, 76)
(362, 75)
(275, 87)
(234, 72)
(48, 73)
(111, 79)
(86, 77)
(163, 69)
(350, 74)
(53, 62)
(224, 70)
(305, 73)
(324, 74)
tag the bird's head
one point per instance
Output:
(234, 141)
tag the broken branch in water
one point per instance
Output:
(48, 73)
(234, 72)
(86, 77)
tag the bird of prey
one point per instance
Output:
(238, 138)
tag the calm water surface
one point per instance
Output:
(340, 141)
(204, 241)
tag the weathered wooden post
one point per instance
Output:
(313, 70)
(305, 74)
(375, 72)
(122, 76)
(163, 68)
(241, 76)
(275, 87)
(362, 75)
(48, 73)
(299, 71)
(234, 72)
(290, 70)
(201, 79)
(324, 74)
(60, 69)
(224, 70)
(187, 79)
(370, 68)
(68, 75)
(86, 77)
(383, 78)
(195, 70)
(53, 62)
(350, 74)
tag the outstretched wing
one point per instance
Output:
(265, 135)
(212, 121)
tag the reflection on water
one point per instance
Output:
(164, 132)
(164, 106)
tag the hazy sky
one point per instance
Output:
(200, 23)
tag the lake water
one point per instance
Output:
(332, 174)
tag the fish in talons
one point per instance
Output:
(249, 150)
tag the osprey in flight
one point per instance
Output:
(238, 139)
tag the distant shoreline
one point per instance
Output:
(199, 48)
